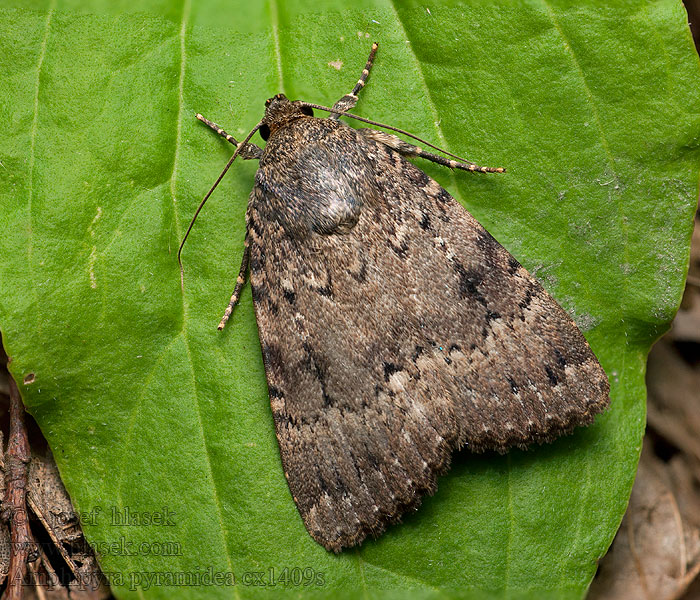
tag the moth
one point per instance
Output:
(394, 328)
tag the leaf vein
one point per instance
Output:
(427, 94)
(32, 159)
(274, 20)
(405, 576)
(186, 10)
(598, 123)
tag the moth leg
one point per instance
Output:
(406, 149)
(240, 282)
(249, 152)
(349, 100)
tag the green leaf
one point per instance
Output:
(148, 408)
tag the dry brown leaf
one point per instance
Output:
(674, 399)
(62, 545)
(656, 553)
(686, 325)
(49, 502)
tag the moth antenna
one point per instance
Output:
(239, 147)
(396, 129)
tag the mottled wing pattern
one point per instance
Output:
(403, 335)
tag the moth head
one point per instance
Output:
(279, 111)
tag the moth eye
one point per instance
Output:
(307, 110)
(264, 132)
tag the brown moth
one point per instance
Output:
(395, 329)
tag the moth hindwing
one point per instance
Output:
(395, 329)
